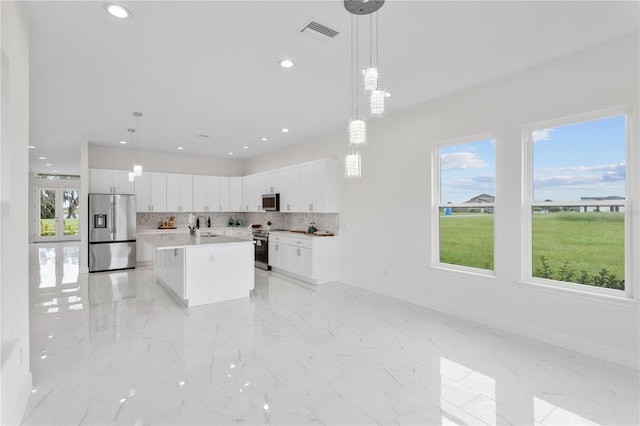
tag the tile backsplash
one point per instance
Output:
(290, 221)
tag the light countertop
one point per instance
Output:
(177, 240)
(300, 235)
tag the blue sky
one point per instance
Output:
(578, 160)
(467, 170)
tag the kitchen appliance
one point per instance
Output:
(112, 232)
(271, 202)
(261, 248)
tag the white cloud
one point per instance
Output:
(618, 168)
(542, 135)
(461, 161)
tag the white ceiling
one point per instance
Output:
(210, 67)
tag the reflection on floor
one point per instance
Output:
(114, 348)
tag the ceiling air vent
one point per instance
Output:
(318, 31)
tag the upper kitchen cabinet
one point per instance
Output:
(231, 194)
(105, 181)
(319, 186)
(179, 193)
(270, 182)
(235, 194)
(206, 194)
(151, 192)
(290, 189)
(251, 193)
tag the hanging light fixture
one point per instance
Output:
(131, 174)
(352, 165)
(137, 168)
(376, 102)
(357, 126)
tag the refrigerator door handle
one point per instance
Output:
(113, 220)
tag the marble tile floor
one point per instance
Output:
(114, 348)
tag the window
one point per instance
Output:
(577, 177)
(465, 203)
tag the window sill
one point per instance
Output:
(474, 272)
(622, 300)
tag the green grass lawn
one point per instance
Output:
(48, 227)
(587, 241)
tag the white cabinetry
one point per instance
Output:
(230, 194)
(271, 182)
(169, 267)
(179, 193)
(235, 194)
(206, 194)
(251, 199)
(312, 259)
(104, 181)
(319, 186)
(290, 189)
(151, 192)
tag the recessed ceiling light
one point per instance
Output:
(245, 146)
(286, 63)
(55, 171)
(180, 148)
(48, 164)
(230, 153)
(117, 10)
(264, 139)
(42, 158)
(32, 147)
(285, 130)
(123, 142)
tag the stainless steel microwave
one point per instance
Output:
(271, 202)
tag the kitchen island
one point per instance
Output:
(204, 269)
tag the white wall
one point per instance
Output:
(15, 376)
(389, 206)
(120, 159)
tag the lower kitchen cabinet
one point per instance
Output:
(169, 267)
(309, 258)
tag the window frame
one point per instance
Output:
(528, 204)
(436, 205)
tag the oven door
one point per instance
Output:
(261, 247)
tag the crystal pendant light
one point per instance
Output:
(370, 79)
(357, 132)
(352, 165)
(137, 168)
(376, 102)
(357, 126)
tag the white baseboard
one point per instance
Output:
(606, 353)
(18, 410)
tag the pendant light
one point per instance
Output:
(352, 165)
(376, 95)
(137, 168)
(357, 126)
(131, 174)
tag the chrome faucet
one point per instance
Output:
(205, 222)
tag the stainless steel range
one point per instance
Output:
(261, 247)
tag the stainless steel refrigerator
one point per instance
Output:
(112, 232)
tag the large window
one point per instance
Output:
(465, 201)
(577, 176)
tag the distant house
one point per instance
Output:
(597, 208)
(478, 199)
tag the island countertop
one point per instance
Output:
(174, 240)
